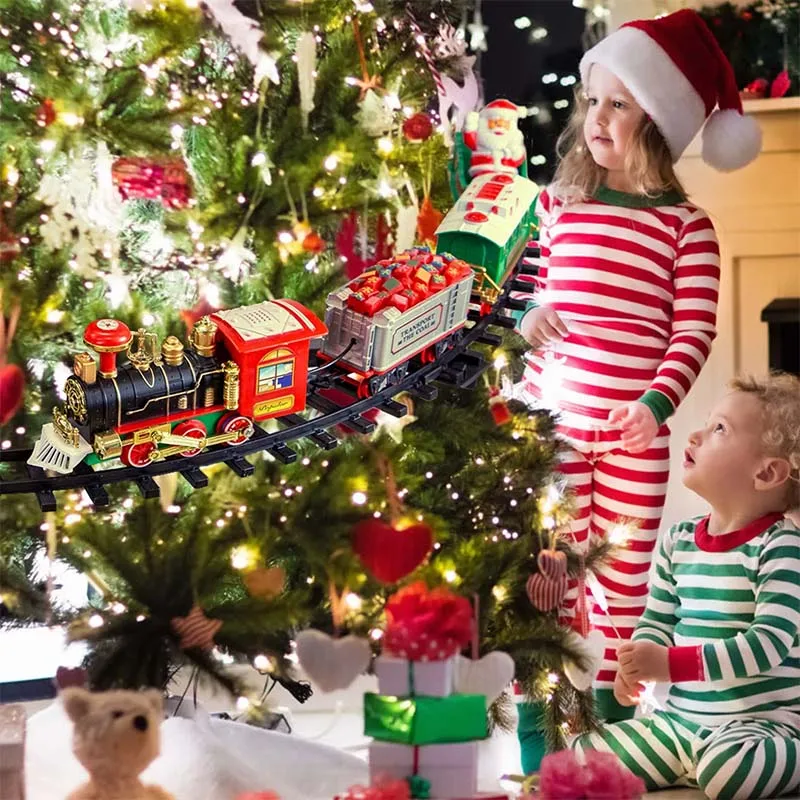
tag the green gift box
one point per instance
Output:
(425, 720)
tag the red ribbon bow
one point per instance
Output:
(427, 624)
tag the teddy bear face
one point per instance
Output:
(116, 732)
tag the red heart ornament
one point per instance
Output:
(388, 553)
(552, 564)
(545, 594)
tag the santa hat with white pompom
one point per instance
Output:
(676, 71)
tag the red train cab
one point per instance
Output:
(270, 342)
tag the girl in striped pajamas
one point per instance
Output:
(722, 622)
(622, 314)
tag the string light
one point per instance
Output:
(353, 601)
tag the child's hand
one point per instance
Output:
(626, 694)
(638, 424)
(643, 661)
(541, 326)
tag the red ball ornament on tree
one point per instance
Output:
(46, 113)
(418, 128)
(313, 243)
(12, 391)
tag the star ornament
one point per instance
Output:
(196, 629)
(477, 31)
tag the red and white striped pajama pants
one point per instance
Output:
(612, 486)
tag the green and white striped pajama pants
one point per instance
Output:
(741, 760)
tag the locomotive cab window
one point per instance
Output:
(276, 371)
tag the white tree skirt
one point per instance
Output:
(200, 759)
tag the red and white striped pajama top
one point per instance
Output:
(636, 282)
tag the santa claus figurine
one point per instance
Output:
(494, 138)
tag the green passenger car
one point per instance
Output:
(489, 227)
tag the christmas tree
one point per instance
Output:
(161, 160)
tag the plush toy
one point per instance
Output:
(116, 737)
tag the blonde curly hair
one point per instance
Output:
(648, 162)
(779, 395)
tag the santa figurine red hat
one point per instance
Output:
(494, 138)
(676, 71)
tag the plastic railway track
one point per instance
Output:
(460, 366)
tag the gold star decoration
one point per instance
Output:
(196, 629)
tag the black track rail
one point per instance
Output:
(459, 366)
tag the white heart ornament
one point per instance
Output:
(488, 676)
(332, 663)
(593, 648)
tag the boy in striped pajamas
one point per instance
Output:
(622, 313)
(722, 620)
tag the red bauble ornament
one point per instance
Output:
(418, 128)
(747, 16)
(46, 113)
(313, 243)
(12, 391)
(388, 553)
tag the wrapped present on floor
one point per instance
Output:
(12, 752)
(451, 770)
(425, 732)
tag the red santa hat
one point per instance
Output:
(503, 108)
(676, 71)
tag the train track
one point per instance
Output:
(460, 366)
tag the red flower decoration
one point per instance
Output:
(427, 624)
(602, 777)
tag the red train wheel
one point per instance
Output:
(235, 422)
(138, 455)
(195, 429)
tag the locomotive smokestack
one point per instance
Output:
(108, 337)
(204, 336)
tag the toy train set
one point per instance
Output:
(271, 360)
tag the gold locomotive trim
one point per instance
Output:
(273, 406)
(65, 429)
(76, 399)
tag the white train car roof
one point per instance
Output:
(491, 207)
(272, 321)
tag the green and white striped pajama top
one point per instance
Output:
(728, 608)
